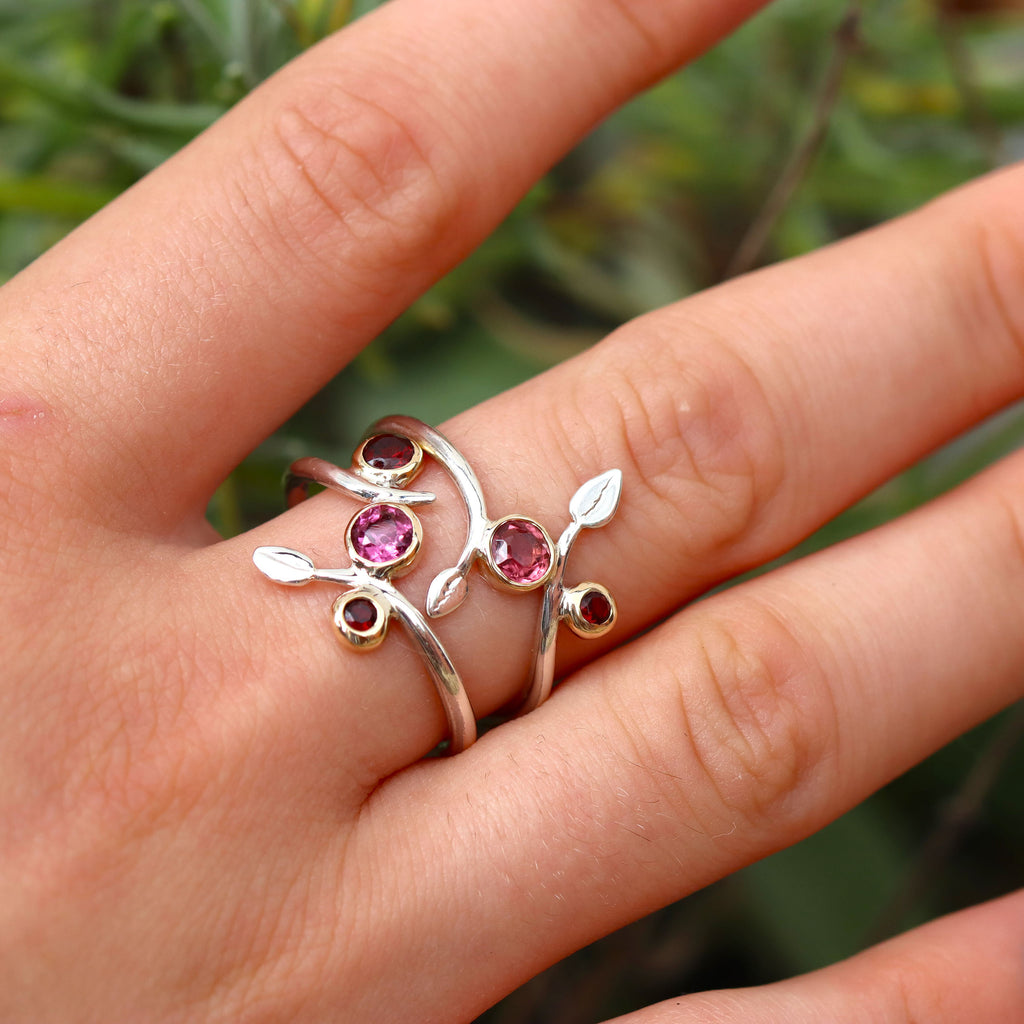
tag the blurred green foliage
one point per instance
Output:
(648, 209)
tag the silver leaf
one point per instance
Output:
(447, 591)
(595, 502)
(283, 565)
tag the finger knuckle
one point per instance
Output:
(756, 715)
(338, 162)
(907, 990)
(988, 263)
(695, 430)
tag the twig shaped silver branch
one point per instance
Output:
(519, 554)
(383, 539)
(361, 616)
(588, 609)
(516, 550)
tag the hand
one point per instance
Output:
(212, 812)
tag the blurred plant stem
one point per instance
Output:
(753, 243)
(960, 814)
(964, 74)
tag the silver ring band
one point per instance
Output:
(515, 552)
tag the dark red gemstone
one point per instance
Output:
(388, 451)
(595, 608)
(360, 614)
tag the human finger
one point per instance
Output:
(738, 727)
(235, 280)
(960, 969)
(742, 418)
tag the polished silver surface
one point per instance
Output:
(449, 588)
(454, 699)
(592, 506)
(294, 569)
(597, 501)
(303, 472)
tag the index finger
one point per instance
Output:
(236, 279)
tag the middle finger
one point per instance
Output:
(257, 262)
(743, 419)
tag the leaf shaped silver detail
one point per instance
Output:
(448, 590)
(283, 565)
(597, 500)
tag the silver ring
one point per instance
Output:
(514, 551)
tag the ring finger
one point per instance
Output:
(743, 419)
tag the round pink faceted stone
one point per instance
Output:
(520, 551)
(381, 533)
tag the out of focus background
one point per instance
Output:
(820, 118)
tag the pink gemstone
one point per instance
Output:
(520, 551)
(360, 614)
(381, 533)
(595, 608)
(387, 451)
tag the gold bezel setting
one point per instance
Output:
(392, 567)
(496, 573)
(572, 610)
(397, 477)
(361, 639)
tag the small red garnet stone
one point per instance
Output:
(360, 614)
(387, 451)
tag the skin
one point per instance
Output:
(211, 812)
